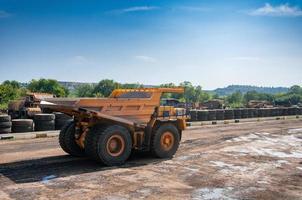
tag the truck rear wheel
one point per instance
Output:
(165, 141)
(67, 140)
(110, 145)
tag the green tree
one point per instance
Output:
(48, 86)
(131, 85)
(14, 84)
(235, 99)
(85, 90)
(296, 89)
(105, 87)
(7, 93)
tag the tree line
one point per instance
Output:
(11, 90)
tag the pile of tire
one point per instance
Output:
(252, 112)
(212, 115)
(292, 111)
(266, 112)
(193, 115)
(202, 115)
(228, 114)
(244, 113)
(284, 111)
(220, 114)
(61, 120)
(237, 113)
(5, 124)
(44, 122)
(22, 125)
(275, 112)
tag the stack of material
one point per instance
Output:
(237, 113)
(44, 122)
(5, 124)
(22, 125)
(61, 119)
(202, 115)
(212, 115)
(220, 114)
(228, 114)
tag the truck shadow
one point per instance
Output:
(61, 166)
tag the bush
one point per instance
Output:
(47, 86)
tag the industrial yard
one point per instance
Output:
(248, 160)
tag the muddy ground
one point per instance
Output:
(259, 160)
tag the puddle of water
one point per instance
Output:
(46, 179)
(297, 130)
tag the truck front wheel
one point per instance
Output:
(165, 141)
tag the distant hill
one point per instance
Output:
(245, 88)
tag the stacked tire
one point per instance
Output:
(212, 115)
(193, 115)
(202, 115)
(44, 122)
(61, 120)
(220, 114)
(5, 124)
(244, 113)
(237, 113)
(22, 125)
(228, 114)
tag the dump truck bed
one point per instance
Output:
(134, 106)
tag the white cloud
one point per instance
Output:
(4, 14)
(134, 9)
(145, 59)
(281, 10)
(80, 60)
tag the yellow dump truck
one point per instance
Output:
(108, 129)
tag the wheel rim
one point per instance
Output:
(115, 145)
(167, 141)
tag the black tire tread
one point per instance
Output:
(5, 124)
(155, 148)
(5, 130)
(62, 136)
(99, 135)
(5, 118)
(44, 117)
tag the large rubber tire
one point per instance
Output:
(157, 148)
(62, 116)
(44, 117)
(5, 130)
(97, 141)
(67, 141)
(44, 125)
(59, 124)
(5, 124)
(22, 125)
(5, 118)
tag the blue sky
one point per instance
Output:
(210, 43)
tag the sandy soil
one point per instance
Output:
(259, 160)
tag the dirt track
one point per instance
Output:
(261, 160)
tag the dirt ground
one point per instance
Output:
(257, 160)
